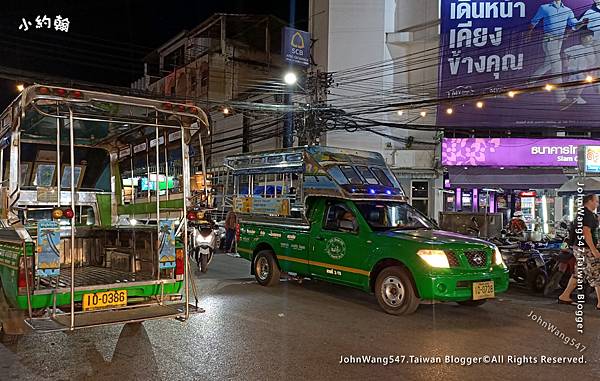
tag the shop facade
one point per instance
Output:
(505, 175)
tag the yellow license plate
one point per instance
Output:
(106, 299)
(483, 290)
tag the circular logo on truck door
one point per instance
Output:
(335, 248)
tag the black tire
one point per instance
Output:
(472, 303)
(554, 282)
(395, 291)
(266, 268)
(204, 262)
(537, 280)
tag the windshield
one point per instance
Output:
(382, 215)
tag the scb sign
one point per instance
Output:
(296, 46)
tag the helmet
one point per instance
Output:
(518, 214)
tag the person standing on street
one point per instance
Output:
(230, 230)
(556, 18)
(590, 251)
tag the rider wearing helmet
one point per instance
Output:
(517, 225)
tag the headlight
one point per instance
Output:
(498, 261)
(200, 239)
(434, 258)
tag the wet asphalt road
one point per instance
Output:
(298, 332)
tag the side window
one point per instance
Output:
(339, 218)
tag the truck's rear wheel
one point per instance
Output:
(395, 292)
(266, 270)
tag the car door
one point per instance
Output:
(339, 246)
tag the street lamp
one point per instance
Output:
(20, 87)
(290, 78)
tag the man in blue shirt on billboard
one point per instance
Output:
(593, 15)
(556, 18)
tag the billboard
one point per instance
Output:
(592, 159)
(512, 152)
(490, 48)
(296, 46)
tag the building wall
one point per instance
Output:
(352, 33)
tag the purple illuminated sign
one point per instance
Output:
(487, 50)
(508, 152)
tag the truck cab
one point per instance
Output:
(354, 227)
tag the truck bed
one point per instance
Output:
(92, 275)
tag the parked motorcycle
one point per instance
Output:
(528, 266)
(204, 241)
(560, 272)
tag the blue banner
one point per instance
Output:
(166, 250)
(295, 47)
(48, 252)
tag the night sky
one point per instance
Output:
(107, 40)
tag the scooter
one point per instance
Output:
(204, 242)
(559, 274)
(528, 266)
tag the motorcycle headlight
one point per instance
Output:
(434, 258)
(498, 261)
(201, 239)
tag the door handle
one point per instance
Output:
(319, 238)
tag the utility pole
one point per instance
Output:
(313, 122)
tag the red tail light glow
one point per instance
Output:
(192, 216)
(60, 92)
(68, 213)
(22, 279)
(179, 265)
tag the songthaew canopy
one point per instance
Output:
(320, 171)
(100, 119)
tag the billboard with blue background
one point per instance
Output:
(491, 48)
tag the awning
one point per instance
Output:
(590, 184)
(508, 178)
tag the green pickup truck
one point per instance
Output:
(340, 216)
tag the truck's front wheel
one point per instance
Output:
(266, 270)
(395, 291)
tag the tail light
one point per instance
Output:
(60, 92)
(76, 94)
(237, 232)
(68, 213)
(23, 273)
(192, 216)
(179, 265)
(57, 213)
(167, 106)
(43, 90)
(181, 108)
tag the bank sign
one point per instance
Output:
(296, 46)
(487, 51)
(509, 152)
